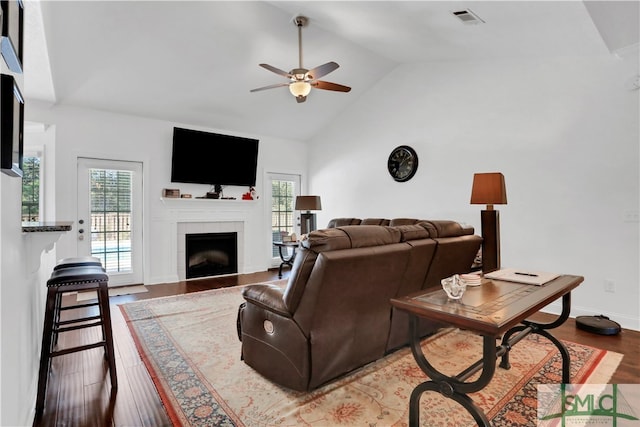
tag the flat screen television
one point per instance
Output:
(211, 158)
(11, 126)
(12, 33)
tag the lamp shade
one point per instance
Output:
(308, 203)
(488, 189)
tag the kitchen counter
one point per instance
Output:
(46, 227)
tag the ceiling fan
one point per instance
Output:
(302, 80)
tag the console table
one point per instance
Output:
(286, 259)
(492, 309)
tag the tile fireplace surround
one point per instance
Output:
(195, 216)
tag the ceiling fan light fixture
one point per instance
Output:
(300, 88)
(301, 79)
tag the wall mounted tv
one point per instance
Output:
(211, 158)
(11, 126)
(12, 33)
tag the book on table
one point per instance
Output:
(529, 277)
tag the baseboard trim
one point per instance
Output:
(625, 321)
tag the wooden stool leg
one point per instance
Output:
(45, 352)
(56, 317)
(103, 293)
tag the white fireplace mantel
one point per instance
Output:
(177, 202)
(201, 210)
(186, 216)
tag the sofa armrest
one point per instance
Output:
(272, 342)
(267, 296)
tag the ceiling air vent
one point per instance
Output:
(467, 17)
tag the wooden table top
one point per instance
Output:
(492, 308)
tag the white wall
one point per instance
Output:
(90, 133)
(14, 292)
(27, 260)
(26, 264)
(564, 132)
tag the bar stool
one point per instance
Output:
(74, 274)
(82, 261)
(67, 263)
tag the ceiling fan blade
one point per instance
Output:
(319, 84)
(275, 70)
(322, 70)
(269, 87)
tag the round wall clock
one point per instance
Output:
(402, 163)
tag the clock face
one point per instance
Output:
(402, 163)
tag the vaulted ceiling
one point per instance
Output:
(195, 62)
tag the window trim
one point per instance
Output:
(37, 152)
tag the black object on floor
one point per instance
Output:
(598, 325)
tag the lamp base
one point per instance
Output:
(307, 222)
(490, 220)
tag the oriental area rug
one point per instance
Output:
(190, 347)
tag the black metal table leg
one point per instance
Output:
(464, 400)
(285, 261)
(542, 329)
(504, 317)
(454, 388)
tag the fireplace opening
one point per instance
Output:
(211, 254)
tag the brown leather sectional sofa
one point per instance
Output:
(334, 315)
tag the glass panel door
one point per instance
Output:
(284, 189)
(110, 217)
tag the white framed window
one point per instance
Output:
(31, 187)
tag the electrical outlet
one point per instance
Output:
(609, 286)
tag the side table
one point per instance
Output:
(494, 309)
(284, 256)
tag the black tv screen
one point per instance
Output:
(12, 33)
(211, 158)
(11, 126)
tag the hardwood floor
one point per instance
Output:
(78, 393)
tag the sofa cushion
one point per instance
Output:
(374, 221)
(329, 239)
(363, 236)
(453, 256)
(403, 221)
(444, 228)
(339, 222)
(412, 232)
